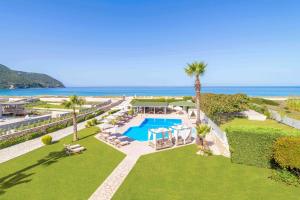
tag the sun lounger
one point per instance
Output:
(123, 143)
(74, 149)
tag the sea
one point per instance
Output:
(274, 91)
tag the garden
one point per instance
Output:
(48, 173)
(182, 174)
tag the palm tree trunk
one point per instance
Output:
(75, 137)
(197, 88)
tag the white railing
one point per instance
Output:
(221, 135)
(285, 120)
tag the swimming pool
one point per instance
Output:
(140, 133)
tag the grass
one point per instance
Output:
(44, 104)
(252, 123)
(47, 173)
(181, 174)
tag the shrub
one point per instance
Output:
(293, 104)
(113, 111)
(16, 140)
(287, 152)
(89, 116)
(187, 98)
(220, 107)
(253, 145)
(55, 128)
(80, 119)
(47, 139)
(94, 122)
(88, 124)
(285, 176)
(262, 101)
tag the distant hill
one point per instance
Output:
(16, 79)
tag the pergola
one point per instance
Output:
(182, 134)
(183, 104)
(160, 138)
(138, 105)
(15, 108)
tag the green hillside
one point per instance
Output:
(17, 79)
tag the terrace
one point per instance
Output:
(133, 171)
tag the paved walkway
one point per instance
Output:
(25, 147)
(115, 179)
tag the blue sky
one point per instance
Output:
(114, 42)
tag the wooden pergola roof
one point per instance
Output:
(150, 104)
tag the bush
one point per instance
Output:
(187, 98)
(253, 145)
(47, 139)
(220, 107)
(262, 101)
(285, 176)
(293, 104)
(113, 111)
(89, 116)
(55, 128)
(19, 139)
(88, 124)
(94, 122)
(287, 152)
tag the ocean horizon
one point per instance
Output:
(270, 91)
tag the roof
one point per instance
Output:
(149, 104)
(183, 103)
(12, 103)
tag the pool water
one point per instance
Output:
(140, 133)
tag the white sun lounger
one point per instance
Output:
(77, 149)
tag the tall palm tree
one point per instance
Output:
(73, 103)
(196, 69)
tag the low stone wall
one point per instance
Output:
(284, 119)
(105, 107)
(25, 122)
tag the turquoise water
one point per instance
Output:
(152, 91)
(140, 133)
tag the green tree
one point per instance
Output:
(73, 103)
(196, 69)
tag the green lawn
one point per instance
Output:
(47, 173)
(249, 123)
(181, 174)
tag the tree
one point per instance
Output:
(73, 103)
(196, 69)
(202, 131)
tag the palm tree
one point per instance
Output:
(196, 69)
(73, 103)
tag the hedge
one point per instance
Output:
(287, 152)
(253, 145)
(17, 140)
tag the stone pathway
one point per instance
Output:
(115, 179)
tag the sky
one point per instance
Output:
(148, 43)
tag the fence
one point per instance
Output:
(284, 119)
(105, 107)
(25, 122)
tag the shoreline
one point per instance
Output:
(99, 98)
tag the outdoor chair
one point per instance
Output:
(73, 149)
